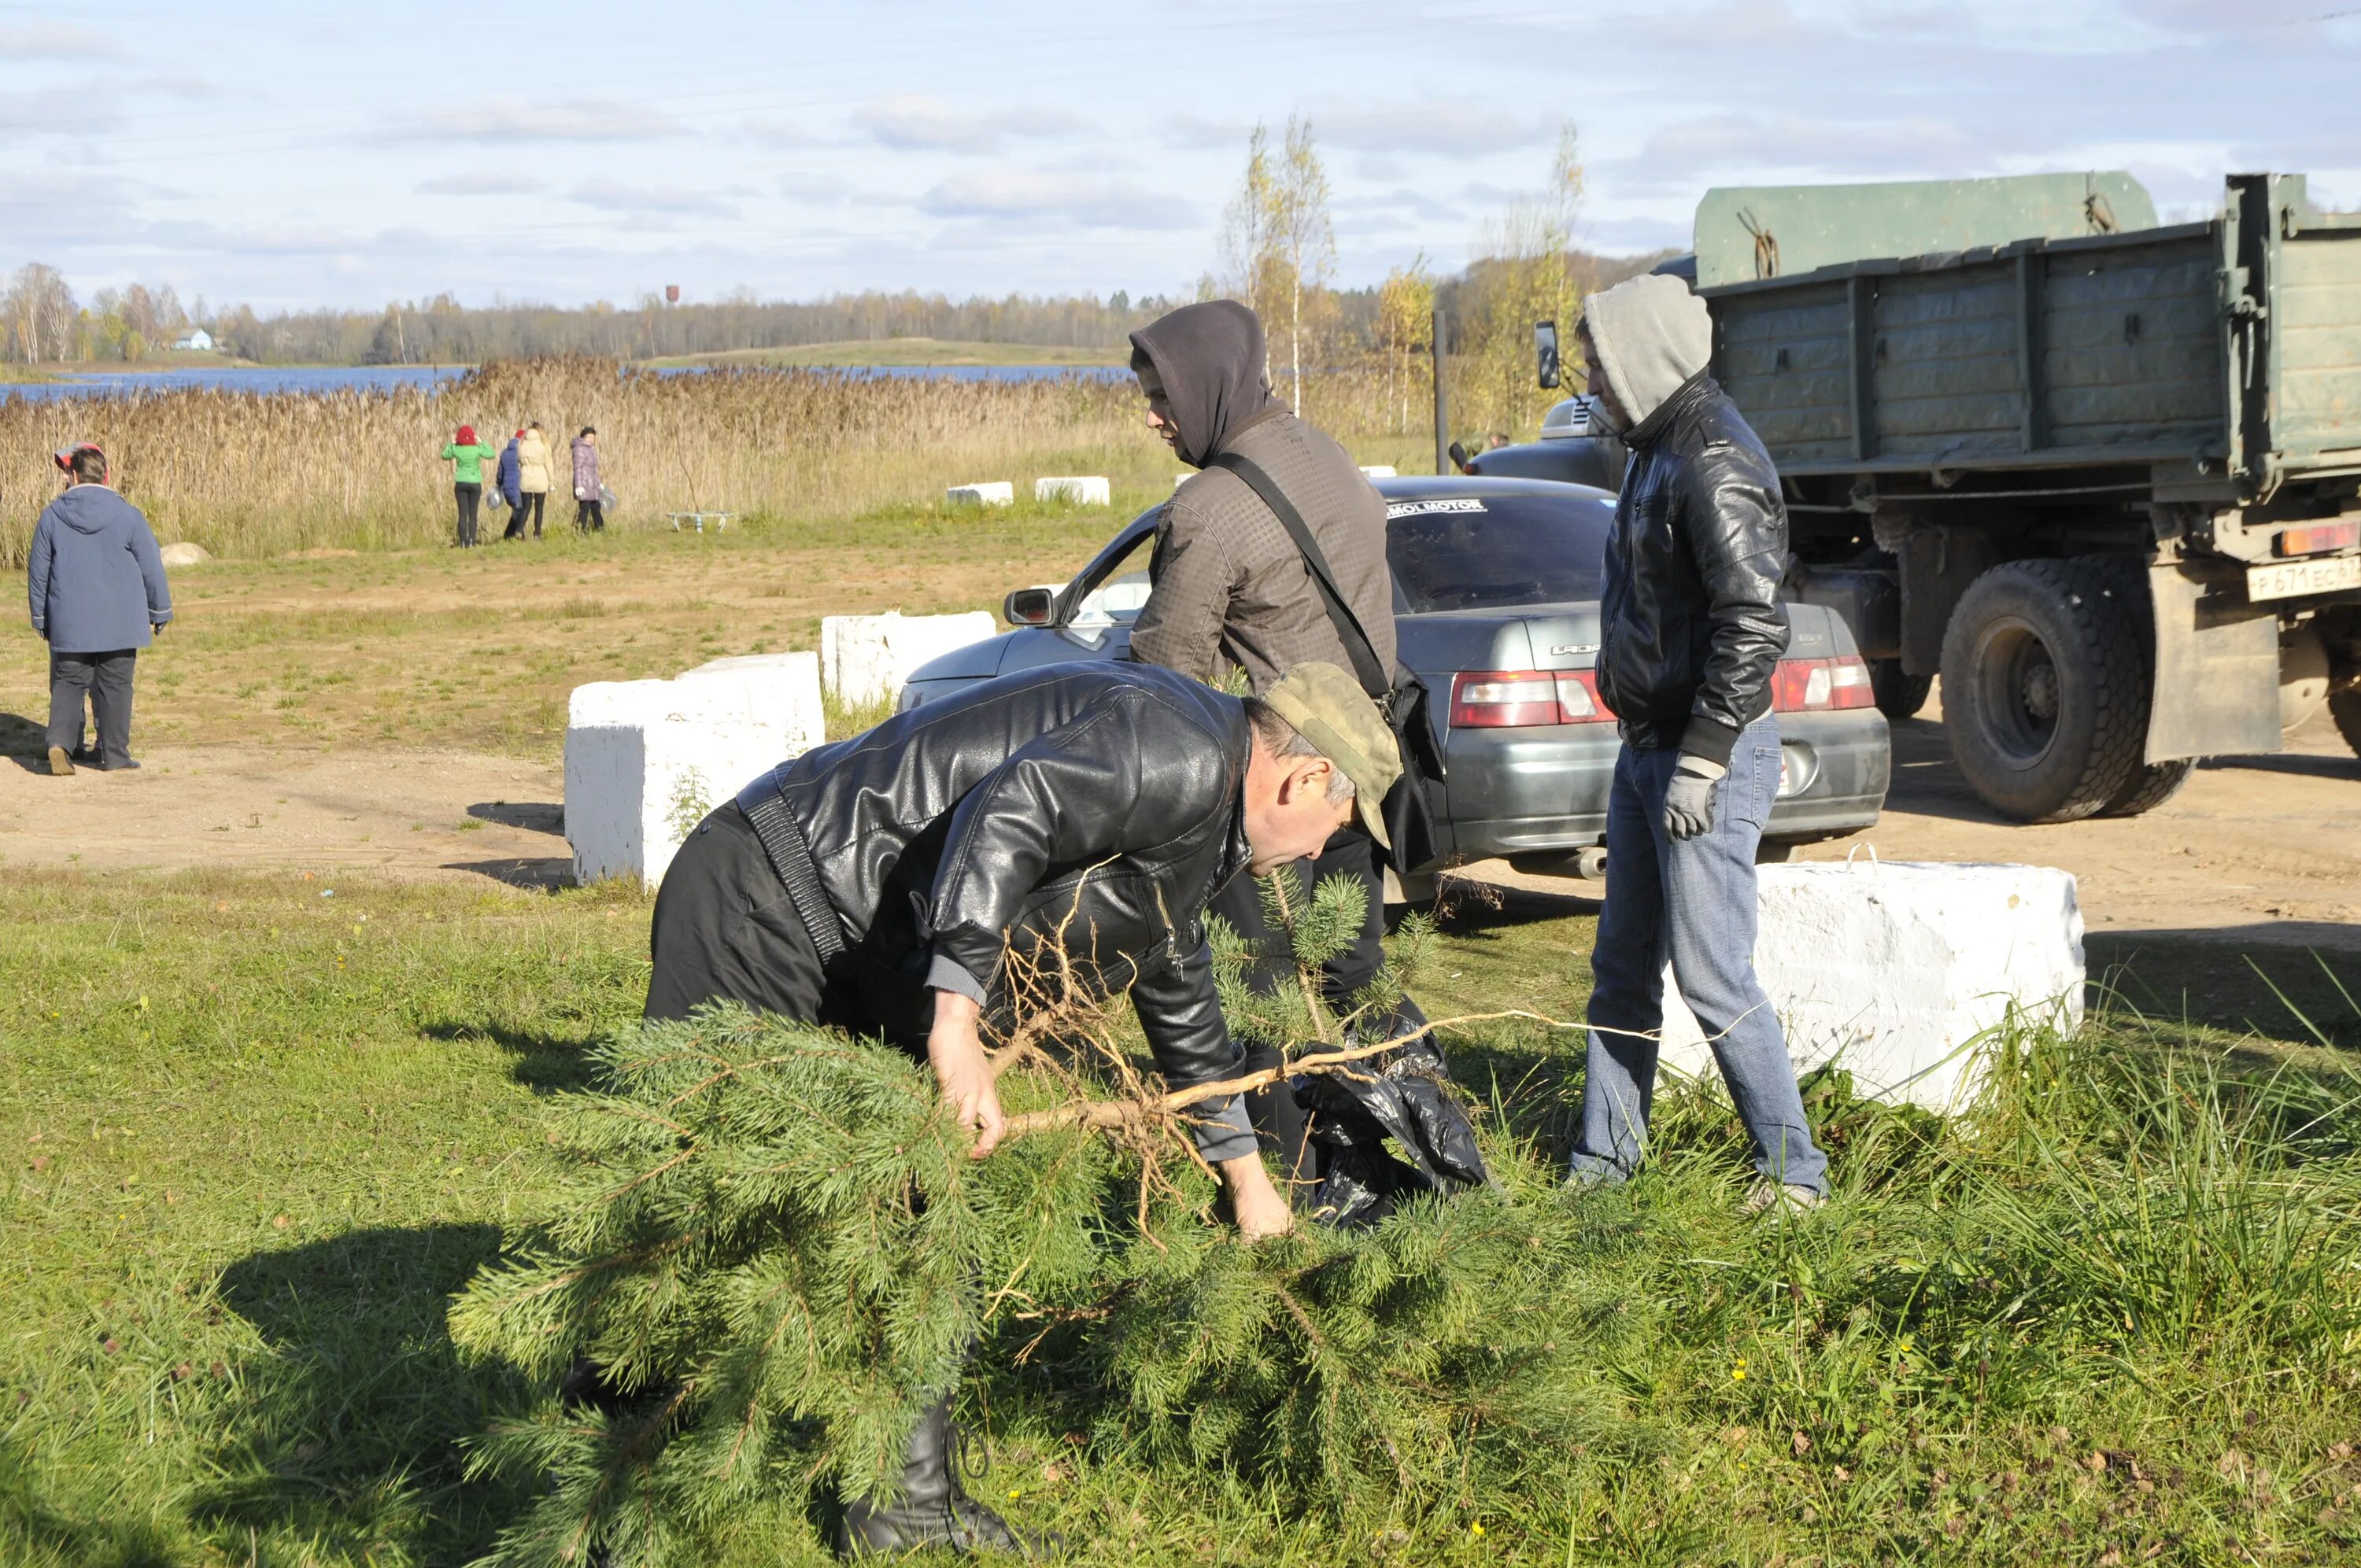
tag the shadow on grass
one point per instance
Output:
(534, 816)
(24, 742)
(2232, 981)
(534, 873)
(544, 1062)
(350, 1439)
(35, 1530)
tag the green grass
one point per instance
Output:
(258, 1130)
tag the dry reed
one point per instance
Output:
(263, 474)
(246, 474)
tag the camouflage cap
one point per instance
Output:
(1328, 707)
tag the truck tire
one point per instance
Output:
(1899, 696)
(2345, 707)
(2150, 786)
(2046, 685)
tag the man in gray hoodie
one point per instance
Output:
(1691, 629)
(95, 583)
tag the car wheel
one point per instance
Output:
(2046, 685)
(1898, 695)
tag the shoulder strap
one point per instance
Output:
(1357, 646)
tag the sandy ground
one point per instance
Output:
(2261, 848)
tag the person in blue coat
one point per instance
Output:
(95, 582)
(508, 478)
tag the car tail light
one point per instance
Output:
(2318, 538)
(1821, 685)
(1516, 699)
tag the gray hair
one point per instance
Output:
(1286, 740)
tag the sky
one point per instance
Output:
(294, 155)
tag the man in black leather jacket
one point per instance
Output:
(1691, 630)
(879, 883)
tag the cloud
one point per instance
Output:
(915, 122)
(591, 120)
(799, 186)
(1444, 127)
(491, 183)
(664, 200)
(1080, 199)
(57, 40)
(1755, 148)
(1195, 131)
(63, 111)
(773, 132)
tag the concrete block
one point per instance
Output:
(184, 553)
(1074, 489)
(1379, 470)
(994, 493)
(646, 759)
(866, 658)
(1899, 972)
(780, 688)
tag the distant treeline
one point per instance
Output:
(42, 322)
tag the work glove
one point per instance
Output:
(1688, 799)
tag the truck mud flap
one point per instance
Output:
(2217, 669)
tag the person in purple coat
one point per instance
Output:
(590, 505)
(95, 584)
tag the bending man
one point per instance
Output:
(876, 884)
(1691, 628)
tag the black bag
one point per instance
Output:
(1408, 807)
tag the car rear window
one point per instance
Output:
(1495, 552)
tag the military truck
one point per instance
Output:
(2101, 475)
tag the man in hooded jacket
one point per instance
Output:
(1229, 588)
(1691, 629)
(95, 582)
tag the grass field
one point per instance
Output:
(476, 649)
(259, 1129)
(897, 351)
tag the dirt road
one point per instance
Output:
(2265, 849)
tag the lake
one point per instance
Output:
(387, 378)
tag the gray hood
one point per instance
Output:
(91, 509)
(1652, 335)
(1210, 357)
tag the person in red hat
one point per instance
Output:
(468, 477)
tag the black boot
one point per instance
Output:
(934, 1509)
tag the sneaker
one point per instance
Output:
(124, 766)
(1787, 1197)
(61, 765)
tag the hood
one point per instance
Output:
(1210, 358)
(89, 509)
(1653, 336)
(579, 442)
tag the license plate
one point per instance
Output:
(2285, 580)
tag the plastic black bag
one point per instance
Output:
(1392, 1128)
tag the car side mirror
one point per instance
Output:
(1545, 360)
(1029, 607)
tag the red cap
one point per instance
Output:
(466, 435)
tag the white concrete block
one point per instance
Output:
(780, 688)
(1074, 489)
(184, 553)
(993, 493)
(1900, 972)
(866, 658)
(646, 759)
(1379, 470)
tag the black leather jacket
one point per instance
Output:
(1107, 797)
(1691, 620)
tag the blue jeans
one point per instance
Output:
(1695, 901)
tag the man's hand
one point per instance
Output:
(1688, 799)
(1260, 1209)
(961, 1071)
